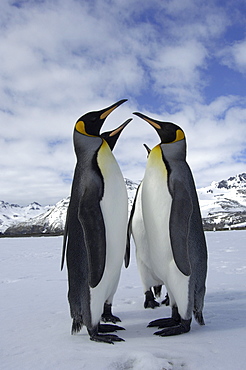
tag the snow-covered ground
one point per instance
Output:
(35, 322)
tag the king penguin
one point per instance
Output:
(171, 231)
(96, 225)
(137, 230)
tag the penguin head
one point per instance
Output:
(112, 136)
(168, 132)
(90, 123)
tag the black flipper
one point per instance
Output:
(91, 219)
(181, 211)
(65, 239)
(129, 231)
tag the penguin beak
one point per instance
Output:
(112, 136)
(118, 130)
(149, 120)
(168, 132)
(105, 112)
(91, 123)
(147, 148)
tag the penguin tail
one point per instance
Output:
(76, 326)
(157, 290)
(199, 317)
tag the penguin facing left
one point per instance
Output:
(96, 225)
(171, 222)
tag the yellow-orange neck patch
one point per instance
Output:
(80, 127)
(179, 136)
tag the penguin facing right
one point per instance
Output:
(170, 221)
(96, 225)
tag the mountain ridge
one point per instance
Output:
(222, 204)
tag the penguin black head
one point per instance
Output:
(112, 136)
(90, 123)
(169, 132)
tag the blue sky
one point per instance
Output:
(181, 61)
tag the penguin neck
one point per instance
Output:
(155, 158)
(86, 146)
(174, 151)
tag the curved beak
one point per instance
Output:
(112, 136)
(149, 120)
(106, 111)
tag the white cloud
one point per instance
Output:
(234, 56)
(61, 59)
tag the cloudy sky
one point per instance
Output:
(180, 61)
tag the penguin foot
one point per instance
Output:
(151, 304)
(109, 328)
(110, 318)
(106, 338)
(107, 315)
(166, 301)
(163, 323)
(183, 327)
(150, 301)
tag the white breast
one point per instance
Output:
(114, 206)
(156, 207)
(156, 204)
(146, 272)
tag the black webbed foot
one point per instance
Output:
(181, 328)
(163, 323)
(106, 338)
(167, 322)
(110, 318)
(107, 315)
(109, 328)
(150, 301)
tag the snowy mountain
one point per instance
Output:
(52, 221)
(223, 205)
(11, 214)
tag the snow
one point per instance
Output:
(35, 322)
